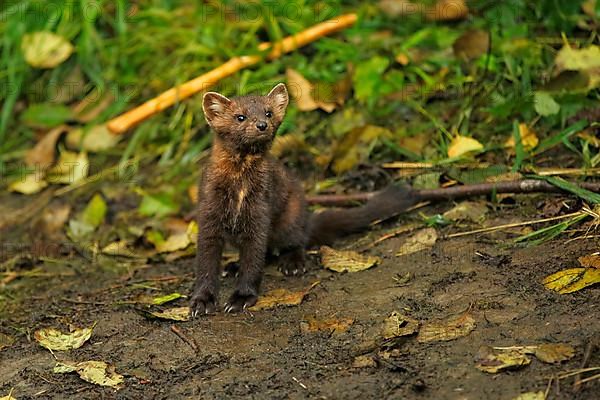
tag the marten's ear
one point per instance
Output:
(279, 99)
(214, 104)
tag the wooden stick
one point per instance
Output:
(518, 186)
(166, 99)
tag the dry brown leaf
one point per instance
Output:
(399, 8)
(281, 297)
(334, 325)
(447, 10)
(554, 352)
(448, 329)
(96, 372)
(590, 261)
(53, 339)
(471, 45)
(572, 279)
(421, 240)
(43, 153)
(364, 361)
(305, 94)
(467, 211)
(397, 325)
(493, 360)
(346, 260)
(5, 341)
(54, 218)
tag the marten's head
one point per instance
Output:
(248, 123)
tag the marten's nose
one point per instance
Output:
(261, 125)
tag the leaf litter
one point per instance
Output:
(53, 339)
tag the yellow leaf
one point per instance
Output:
(448, 329)
(53, 339)
(467, 210)
(572, 59)
(495, 360)
(420, 240)
(96, 372)
(572, 279)
(462, 145)
(30, 184)
(529, 138)
(346, 261)
(174, 314)
(354, 147)
(96, 139)
(281, 297)
(45, 49)
(531, 396)
(71, 168)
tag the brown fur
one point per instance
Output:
(249, 199)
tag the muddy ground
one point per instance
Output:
(266, 355)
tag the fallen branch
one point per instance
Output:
(515, 187)
(166, 99)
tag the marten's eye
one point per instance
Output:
(268, 114)
(240, 118)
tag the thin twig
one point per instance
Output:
(184, 337)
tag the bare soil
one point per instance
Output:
(266, 355)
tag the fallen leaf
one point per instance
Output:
(97, 138)
(397, 325)
(364, 361)
(346, 261)
(8, 397)
(121, 248)
(43, 153)
(354, 147)
(71, 168)
(45, 49)
(159, 205)
(29, 184)
(572, 279)
(289, 143)
(471, 45)
(93, 105)
(572, 59)
(308, 97)
(554, 353)
(493, 361)
(5, 341)
(467, 210)
(421, 240)
(447, 10)
(193, 191)
(95, 211)
(529, 138)
(334, 325)
(174, 314)
(54, 218)
(461, 145)
(544, 104)
(531, 396)
(53, 339)
(281, 297)
(96, 372)
(448, 329)
(166, 298)
(399, 8)
(590, 261)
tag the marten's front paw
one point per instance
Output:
(203, 301)
(239, 302)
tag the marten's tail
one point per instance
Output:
(326, 226)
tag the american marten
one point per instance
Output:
(250, 200)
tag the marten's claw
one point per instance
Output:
(239, 302)
(202, 303)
